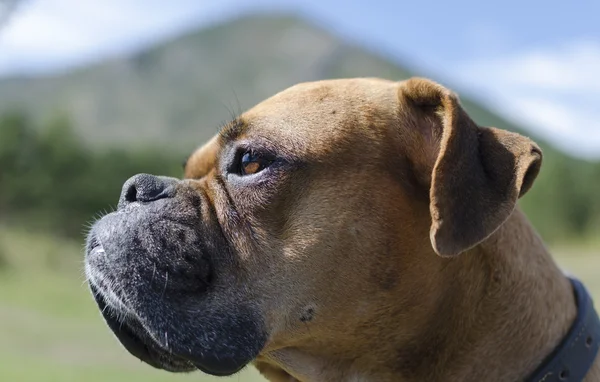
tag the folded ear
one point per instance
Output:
(477, 173)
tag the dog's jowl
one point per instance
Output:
(344, 230)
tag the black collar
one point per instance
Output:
(574, 356)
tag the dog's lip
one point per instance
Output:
(146, 349)
(127, 316)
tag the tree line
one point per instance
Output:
(51, 180)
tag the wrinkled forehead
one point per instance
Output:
(325, 111)
(309, 119)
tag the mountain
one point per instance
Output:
(178, 92)
(181, 90)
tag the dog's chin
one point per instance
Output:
(136, 339)
(139, 342)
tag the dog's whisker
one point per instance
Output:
(104, 309)
(165, 288)
(85, 281)
(153, 273)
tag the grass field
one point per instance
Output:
(50, 329)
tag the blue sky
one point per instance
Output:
(536, 62)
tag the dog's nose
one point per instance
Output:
(146, 188)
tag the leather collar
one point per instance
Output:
(574, 356)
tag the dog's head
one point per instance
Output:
(309, 222)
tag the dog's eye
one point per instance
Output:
(252, 163)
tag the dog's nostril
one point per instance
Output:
(146, 188)
(131, 194)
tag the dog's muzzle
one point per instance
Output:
(151, 271)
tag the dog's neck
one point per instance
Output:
(501, 308)
(506, 306)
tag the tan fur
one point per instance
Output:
(343, 262)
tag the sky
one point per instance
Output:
(535, 62)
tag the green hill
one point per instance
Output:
(182, 89)
(178, 92)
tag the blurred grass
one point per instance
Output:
(51, 330)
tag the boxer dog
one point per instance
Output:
(342, 230)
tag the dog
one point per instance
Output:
(341, 230)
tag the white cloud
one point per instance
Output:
(576, 129)
(555, 91)
(573, 67)
(44, 35)
(44, 32)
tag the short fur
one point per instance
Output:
(383, 243)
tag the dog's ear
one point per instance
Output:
(476, 173)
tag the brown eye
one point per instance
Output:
(253, 163)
